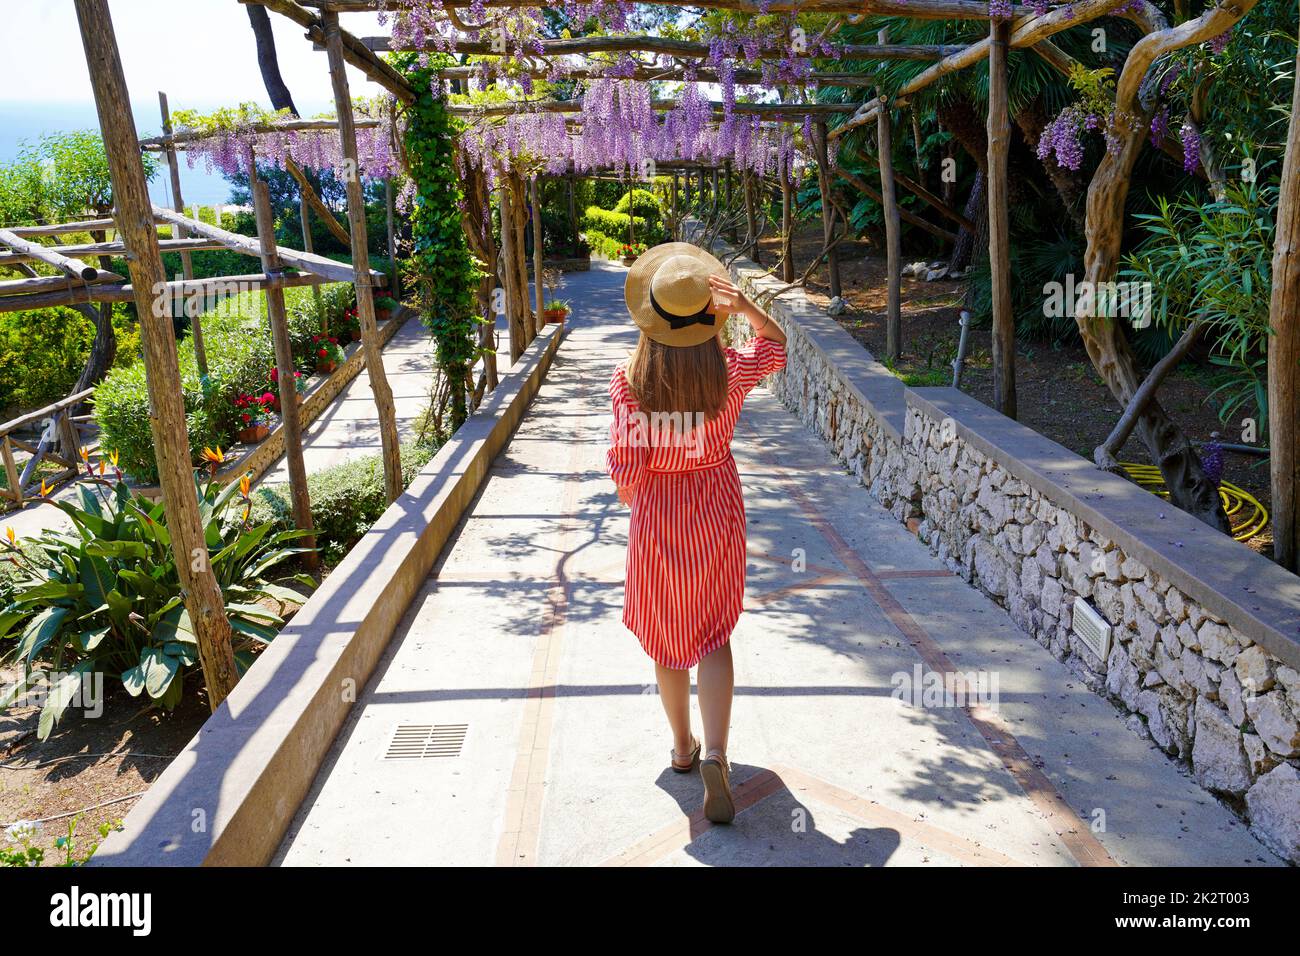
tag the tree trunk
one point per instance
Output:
(1109, 349)
(267, 60)
(963, 251)
(1284, 352)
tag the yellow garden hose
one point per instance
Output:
(1247, 515)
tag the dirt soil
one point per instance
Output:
(89, 762)
(1059, 394)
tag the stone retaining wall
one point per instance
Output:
(1205, 647)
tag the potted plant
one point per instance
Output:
(630, 251)
(328, 353)
(273, 387)
(254, 413)
(555, 310)
(349, 326)
(384, 308)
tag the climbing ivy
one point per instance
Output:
(441, 265)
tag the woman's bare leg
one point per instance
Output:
(716, 682)
(675, 693)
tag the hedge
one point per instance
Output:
(346, 500)
(43, 353)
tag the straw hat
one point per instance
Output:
(668, 294)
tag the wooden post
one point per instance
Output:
(392, 454)
(392, 236)
(1284, 353)
(304, 217)
(751, 216)
(135, 224)
(180, 232)
(535, 191)
(787, 228)
(672, 192)
(893, 228)
(828, 214)
(999, 137)
(289, 401)
(514, 320)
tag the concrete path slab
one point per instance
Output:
(516, 638)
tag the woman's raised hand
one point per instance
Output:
(727, 298)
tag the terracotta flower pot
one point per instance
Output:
(325, 366)
(628, 260)
(554, 315)
(254, 433)
(383, 315)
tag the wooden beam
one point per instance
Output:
(674, 73)
(34, 251)
(312, 198)
(858, 183)
(328, 268)
(9, 260)
(575, 106)
(999, 150)
(115, 292)
(181, 139)
(893, 231)
(383, 393)
(290, 402)
(352, 50)
(912, 9)
(1026, 32)
(202, 595)
(46, 283)
(674, 47)
(64, 228)
(1284, 352)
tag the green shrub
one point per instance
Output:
(345, 500)
(105, 598)
(43, 353)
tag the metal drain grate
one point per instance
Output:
(414, 741)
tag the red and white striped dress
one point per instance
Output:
(685, 579)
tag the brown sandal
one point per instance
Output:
(718, 805)
(692, 759)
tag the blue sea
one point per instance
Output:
(21, 122)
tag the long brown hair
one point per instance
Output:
(687, 381)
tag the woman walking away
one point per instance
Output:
(676, 401)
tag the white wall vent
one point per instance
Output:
(1091, 628)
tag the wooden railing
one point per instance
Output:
(59, 442)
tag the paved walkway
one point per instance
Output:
(348, 428)
(516, 641)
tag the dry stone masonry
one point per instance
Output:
(1205, 647)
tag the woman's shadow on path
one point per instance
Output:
(772, 826)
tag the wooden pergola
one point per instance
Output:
(1024, 29)
(136, 221)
